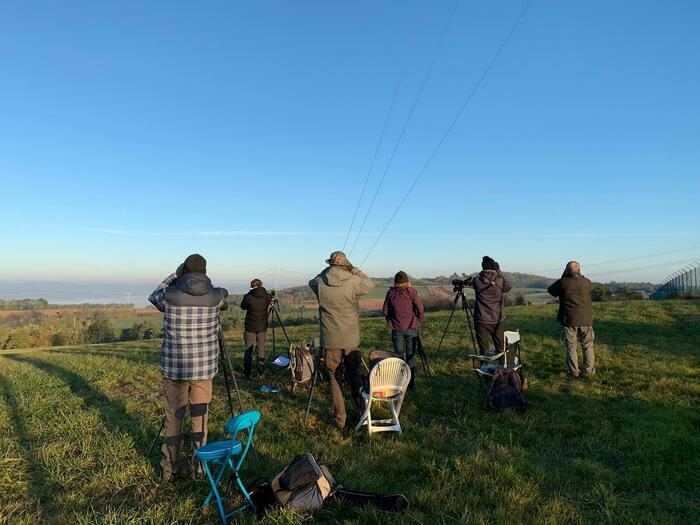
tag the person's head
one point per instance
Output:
(573, 269)
(337, 259)
(401, 280)
(255, 283)
(195, 263)
(487, 263)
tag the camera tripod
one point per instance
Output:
(273, 312)
(467, 310)
(423, 355)
(229, 377)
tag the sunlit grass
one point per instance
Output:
(621, 448)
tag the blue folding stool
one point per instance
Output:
(221, 452)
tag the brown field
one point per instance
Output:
(371, 304)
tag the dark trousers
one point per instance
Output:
(348, 360)
(250, 339)
(488, 333)
(405, 343)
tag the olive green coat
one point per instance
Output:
(338, 292)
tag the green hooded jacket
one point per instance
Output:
(338, 291)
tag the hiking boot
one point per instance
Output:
(261, 367)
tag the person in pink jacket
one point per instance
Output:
(403, 310)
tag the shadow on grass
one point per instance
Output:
(42, 488)
(113, 413)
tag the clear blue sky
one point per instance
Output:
(135, 133)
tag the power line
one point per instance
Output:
(602, 263)
(376, 150)
(405, 126)
(450, 127)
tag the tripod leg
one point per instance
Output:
(226, 360)
(284, 330)
(313, 385)
(447, 326)
(470, 315)
(228, 386)
(155, 439)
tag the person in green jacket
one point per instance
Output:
(576, 316)
(338, 289)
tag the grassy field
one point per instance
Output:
(623, 447)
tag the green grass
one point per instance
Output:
(621, 448)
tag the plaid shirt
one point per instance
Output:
(190, 349)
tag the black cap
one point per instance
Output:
(195, 263)
(487, 263)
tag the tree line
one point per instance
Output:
(43, 304)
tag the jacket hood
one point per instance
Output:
(258, 292)
(335, 276)
(194, 284)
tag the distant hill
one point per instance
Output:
(426, 286)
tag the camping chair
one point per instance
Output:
(485, 366)
(220, 453)
(296, 368)
(388, 381)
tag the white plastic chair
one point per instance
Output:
(388, 381)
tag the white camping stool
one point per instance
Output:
(388, 381)
(485, 366)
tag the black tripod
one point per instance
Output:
(459, 294)
(317, 370)
(423, 356)
(229, 377)
(273, 312)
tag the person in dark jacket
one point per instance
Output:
(576, 316)
(490, 287)
(189, 355)
(256, 303)
(403, 310)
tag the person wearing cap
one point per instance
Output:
(403, 310)
(576, 317)
(256, 304)
(338, 289)
(490, 287)
(189, 355)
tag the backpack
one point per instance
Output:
(303, 364)
(506, 391)
(303, 484)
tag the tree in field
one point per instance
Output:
(600, 292)
(519, 300)
(100, 331)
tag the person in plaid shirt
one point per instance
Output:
(189, 354)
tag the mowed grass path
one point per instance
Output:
(621, 448)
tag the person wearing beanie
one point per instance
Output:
(189, 355)
(490, 287)
(404, 311)
(338, 289)
(256, 304)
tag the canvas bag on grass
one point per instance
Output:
(506, 391)
(303, 365)
(303, 484)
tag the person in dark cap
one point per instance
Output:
(338, 289)
(403, 310)
(490, 287)
(189, 355)
(256, 304)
